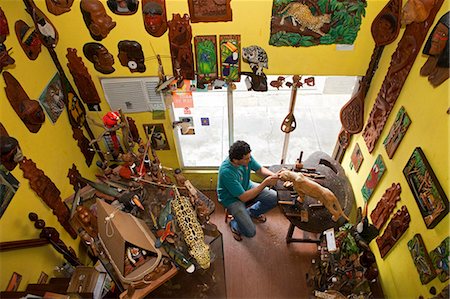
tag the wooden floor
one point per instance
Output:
(265, 266)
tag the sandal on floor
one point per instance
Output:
(236, 235)
(261, 218)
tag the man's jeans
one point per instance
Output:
(242, 222)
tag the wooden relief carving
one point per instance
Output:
(47, 32)
(131, 56)
(385, 29)
(206, 58)
(394, 230)
(180, 36)
(210, 10)
(155, 18)
(5, 59)
(397, 132)
(356, 158)
(376, 172)
(401, 63)
(4, 29)
(58, 7)
(73, 174)
(421, 259)
(47, 190)
(416, 11)
(96, 19)
(386, 205)
(230, 52)
(84, 145)
(436, 68)
(28, 39)
(426, 189)
(123, 7)
(83, 80)
(29, 111)
(439, 258)
(303, 24)
(101, 58)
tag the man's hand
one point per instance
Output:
(271, 180)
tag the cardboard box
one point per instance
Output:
(115, 229)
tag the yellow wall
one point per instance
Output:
(54, 150)
(426, 106)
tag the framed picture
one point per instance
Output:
(43, 278)
(421, 259)
(428, 193)
(206, 58)
(439, 258)
(230, 52)
(52, 98)
(376, 172)
(210, 10)
(8, 187)
(14, 282)
(187, 125)
(397, 131)
(158, 136)
(356, 158)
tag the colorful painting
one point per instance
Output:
(297, 23)
(439, 258)
(421, 259)
(427, 191)
(376, 172)
(52, 98)
(397, 131)
(158, 136)
(8, 187)
(14, 282)
(356, 158)
(230, 52)
(206, 58)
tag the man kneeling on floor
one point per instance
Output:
(235, 190)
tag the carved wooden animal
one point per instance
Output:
(307, 187)
(301, 14)
(416, 11)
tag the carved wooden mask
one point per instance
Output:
(155, 19)
(131, 56)
(28, 39)
(58, 7)
(101, 58)
(4, 29)
(123, 7)
(96, 19)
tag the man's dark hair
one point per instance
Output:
(238, 150)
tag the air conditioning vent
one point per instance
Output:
(133, 94)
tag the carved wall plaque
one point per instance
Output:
(386, 205)
(180, 36)
(395, 229)
(210, 10)
(397, 132)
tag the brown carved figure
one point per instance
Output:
(386, 205)
(307, 187)
(28, 39)
(180, 36)
(73, 175)
(416, 11)
(401, 63)
(437, 65)
(155, 18)
(96, 19)
(58, 7)
(10, 153)
(83, 80)
(4, 29)
(47, 190)
(29, 111)
(131, 56)
(47, 32)
(133, 130)
(84, 145)
(101, 58)
(5, 59)
(123, 7)
(395, 229)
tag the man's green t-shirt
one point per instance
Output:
(233, 181)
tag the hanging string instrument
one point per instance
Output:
(289, 124)
(385, 29)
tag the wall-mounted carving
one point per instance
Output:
(155, 18)
(83, 80)
(131, 56)
(210, 10)
(397, 132)
(96, 19)
(101, 58)
(123, 7)
(421, 259)
(29, 111)
(58, 7)
(395, 229)
(356, 158)
(28, 39)
(376, 172)
(180, 36)
(386, 205)
(439, 258)
(401, 63)
(5, 59)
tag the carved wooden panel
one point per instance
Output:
(395, 229)
(401, 63)
(47, 190)
(421, 259)
(397, 132)
(83, 80)
(180, 36)
(210, 10)
(386, 205)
